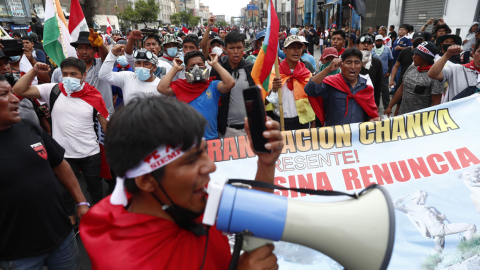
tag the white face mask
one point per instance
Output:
(217, 50)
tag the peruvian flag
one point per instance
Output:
(109, 27)
(77, 21)
(184, 29)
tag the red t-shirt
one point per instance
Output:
(341, 52)
(117, 239)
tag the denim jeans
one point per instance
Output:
(90, 167)
(64, 257)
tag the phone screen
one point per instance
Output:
(255, 109)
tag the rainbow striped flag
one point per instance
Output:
(268, 53)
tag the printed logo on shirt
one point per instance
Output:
(209, 94)
(38, 147)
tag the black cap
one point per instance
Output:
(418, 35)
(82, 39)
(212, 34)
(365, 38)
(217, 40)
(427, 50)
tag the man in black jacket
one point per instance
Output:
(231, 112)
(371, 66)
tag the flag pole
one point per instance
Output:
(350, 28)
(59, 30)
(279, 91)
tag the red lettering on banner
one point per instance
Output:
(336, 156)
(466, 157)
(400, 177)
(366, 176)
(382, 174)
(277, 165)
(293, 184)
(244, 149)
(305, 183)
(418, 168)
(280, 181)
(433, 164)
(229, 148)
(345, 157)
(214, 150)
(323, 183)
(453, 162)
(351, 176)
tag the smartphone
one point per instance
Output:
(257, 118)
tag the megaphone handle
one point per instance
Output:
(251, 243)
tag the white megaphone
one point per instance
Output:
(358, 233)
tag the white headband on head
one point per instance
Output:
(425, 50)
(160, 157)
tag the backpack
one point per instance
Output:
(53, 98)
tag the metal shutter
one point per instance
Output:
(418, 12)
(377, 14)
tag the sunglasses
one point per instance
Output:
(148, 55)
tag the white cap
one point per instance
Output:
(377, 37)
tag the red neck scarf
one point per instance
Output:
(125, 67)
(364, 97)
(300, 73)
(420, 69)
(471, 65)
(340, 52)
(90, 95)
(255, 52)
(168, 58)
(187, 92)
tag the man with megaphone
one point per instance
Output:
(152, 219)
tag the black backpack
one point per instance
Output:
(53, 97)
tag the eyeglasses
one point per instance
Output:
(147, 55)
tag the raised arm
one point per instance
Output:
(23, 88)
(164, 86)
(334, 65)
(97, 41)
(132, 39)
(204, 43)
(227, 82)
(106, 71)
(436, 72)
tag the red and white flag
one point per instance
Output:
(109, 27)
(76, 23)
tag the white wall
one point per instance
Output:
(459, 14)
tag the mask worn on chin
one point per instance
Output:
(416, 43)
(197, 74)
(183, 217)
(72, 85)
(378, 46)
(14, 59)
(122, 60)
(143, 74)
(366, 59)
(445, 47)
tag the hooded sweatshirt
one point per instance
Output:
(471, 39)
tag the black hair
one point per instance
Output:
(477, 45)
(181, 34)
(17, 34)
(392, 26)
(410, 28)
(405, 26)
(191, 38)
(74, 62)
(29, 38)
(377, 26)
(191, 55)
(351, 52)
(442, 26)
(234, 37)
(34, 20)
(143, 125)
(339, 32)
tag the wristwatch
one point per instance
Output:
(84, 203)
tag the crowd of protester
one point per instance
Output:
(127, 94)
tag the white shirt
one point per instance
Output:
(72, 124)
(289, 107)
(127, 80)
(387, 42)
(160, 64)
(410, 36)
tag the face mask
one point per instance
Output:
(143, 74)
(197, 74)
(14, 59)
(71, 85)
(378, 46)
(416, 43)
(122, 60)
(217, 50)
(445, 46)
(172, 52)
(366, 55)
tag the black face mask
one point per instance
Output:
(378, 46)
(445, 47)
(182, 216)
(416, 43)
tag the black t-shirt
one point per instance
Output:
(406, 59)
(32, 216)
(375, 73)
(392, 35)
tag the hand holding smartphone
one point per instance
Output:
(257, 118)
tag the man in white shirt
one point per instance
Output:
(143, 81)
(387, 42)
(73, 127)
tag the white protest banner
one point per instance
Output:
(429, 161)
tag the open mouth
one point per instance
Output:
(14, 109)
(351, 73)
(201, 191)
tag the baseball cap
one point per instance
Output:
(330, 51)
(377, 37)
(302, 38)
(217, 40)
(418, 35)
(260, 35)
(427, 50)
(292, 39)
